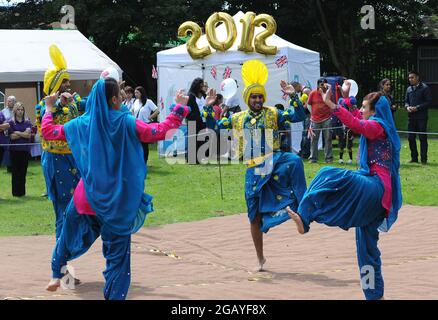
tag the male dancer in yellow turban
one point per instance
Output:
(274, 179)
(59, 168)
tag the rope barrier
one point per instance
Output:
(208, 133)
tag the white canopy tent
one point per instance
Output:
(176, 70)
(25, 55)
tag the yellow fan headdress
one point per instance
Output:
(254, 75)
(54, 76)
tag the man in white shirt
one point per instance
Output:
(7, 112)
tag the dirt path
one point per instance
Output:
(214, 259)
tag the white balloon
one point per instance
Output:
(110, 72)
(354, 89)
(228, 88)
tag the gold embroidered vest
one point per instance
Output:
(267, 119)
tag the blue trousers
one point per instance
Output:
(78, 234)
(61, 176)
(271, 190)
(347, 199)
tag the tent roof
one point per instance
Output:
(180, 56)
(25, 55)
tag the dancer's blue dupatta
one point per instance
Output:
(109, 157)
(384, 117)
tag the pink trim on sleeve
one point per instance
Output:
(371, 129)
(51, 131)
(153, 132)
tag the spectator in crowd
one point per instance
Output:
(285, 133)
(212, 114)
(7, 112)
(231, 105)
(418, 100)
(386, 89)
(19, 133)
(130, 99)
(196, 103)
(217, 106)
(4, 126)
(345, 134)
(146, 111)
(320, 120)
(305, 140)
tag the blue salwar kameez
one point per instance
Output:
(353, 199)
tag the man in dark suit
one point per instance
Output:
(418, 100)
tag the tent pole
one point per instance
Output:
(38, 91)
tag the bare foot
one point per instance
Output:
(53, 285)
(261, 263)
(297, 219)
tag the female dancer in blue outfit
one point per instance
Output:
(109, 200)
(368, 199)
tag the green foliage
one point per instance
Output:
(132, 31)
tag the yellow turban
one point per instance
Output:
(254, 75)
(54, 76)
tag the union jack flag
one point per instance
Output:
(213, 72)
(154, 73)
(280, 62)
(227, 73)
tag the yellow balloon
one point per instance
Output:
(260, 39)
(304, 98)
(193, 50)
(247, 32)
(210, 30)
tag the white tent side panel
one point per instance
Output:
(171, 79)
(28, 57)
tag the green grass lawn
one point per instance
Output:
(189, 193)
(401, 120)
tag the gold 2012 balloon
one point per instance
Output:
(260, 39)
(193, 50)
(210, 30)
(247, 32)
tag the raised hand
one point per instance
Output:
(50, 101)
(347, 83)
(123, 94)
(211, 97)
(286, 88)
(66, 98)
(326, 96)
(181, 97)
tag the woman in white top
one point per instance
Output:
(129, 101)
(145, 110)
